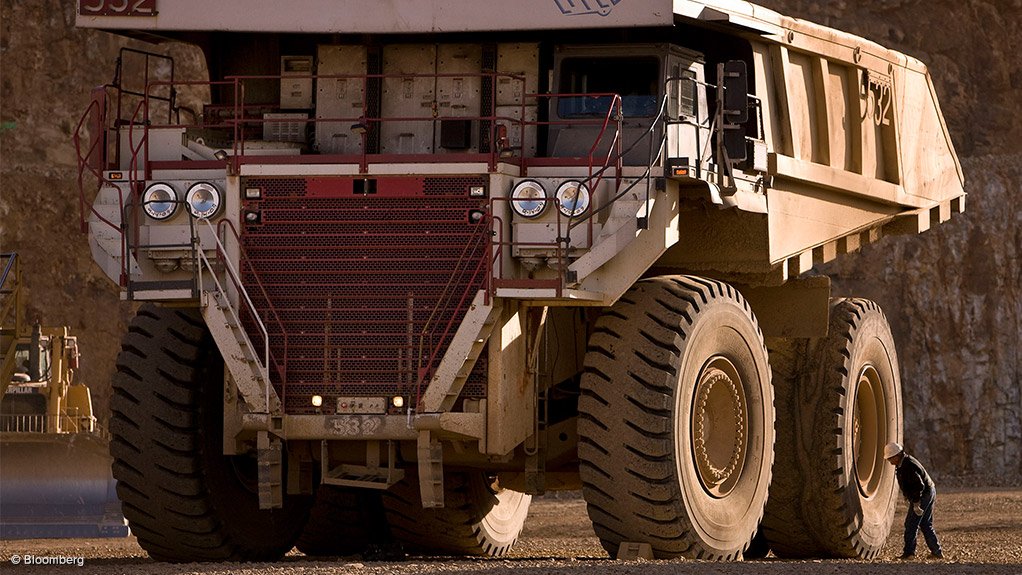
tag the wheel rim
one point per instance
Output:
(868, 433)
(720, 418)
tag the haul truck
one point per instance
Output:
(404, 267)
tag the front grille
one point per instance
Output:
(364, 284)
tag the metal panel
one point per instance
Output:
(459, 96)
(411, 96)
(517, 60)
(340, 98)
(393, 16)
(295, 82)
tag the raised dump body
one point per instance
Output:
(452, 250)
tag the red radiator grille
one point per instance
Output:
(357, 278)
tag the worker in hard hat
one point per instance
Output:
(918, 488)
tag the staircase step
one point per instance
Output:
(242, 361)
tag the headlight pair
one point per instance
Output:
(160, 201)
(529, 198)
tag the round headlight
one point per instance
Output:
(159, 201)
(203, 200)
(528, 199)
(572, 198)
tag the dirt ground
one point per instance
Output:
(981, 531)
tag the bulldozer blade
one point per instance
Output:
(57, 486)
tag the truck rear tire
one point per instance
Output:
(344, 521)
(184, 500)
(477, 518)
(833, 493)
(676, 420)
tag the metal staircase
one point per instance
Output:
(250, 372)
(240, 359)
(469, 340)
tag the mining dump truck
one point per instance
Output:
(405, 267)
(55, 478)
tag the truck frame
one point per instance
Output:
(405, 268)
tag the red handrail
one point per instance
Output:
(478, 242)
(226, 224)
(95, 165)
(239, 107)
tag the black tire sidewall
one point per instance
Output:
(872, 345)
(180, 493)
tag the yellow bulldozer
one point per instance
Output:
(55, 478)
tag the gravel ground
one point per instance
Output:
(981, 531)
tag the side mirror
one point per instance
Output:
(736, 92)
(733, 107)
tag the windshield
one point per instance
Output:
(22, 355)
(635, 78)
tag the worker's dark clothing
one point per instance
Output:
(918, 488)
(913, 479)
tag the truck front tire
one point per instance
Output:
(184, 500)
(676, 420)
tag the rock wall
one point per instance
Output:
(954, 295)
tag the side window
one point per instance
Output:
(635, 78)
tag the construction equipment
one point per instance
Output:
(427, 260)
(55, 478)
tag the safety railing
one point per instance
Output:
(434, 336)
(223, 227)
(236, 124)
(205, 266)
(236, 120)
(103, 127)
(42, 423)
(92, 161)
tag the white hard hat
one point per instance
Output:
(891, 449)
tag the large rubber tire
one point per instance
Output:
(676, 420)
(476, 518)
(839, 402)
(185, 500)
(344, 521)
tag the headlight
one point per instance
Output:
(572, 198)
(159, 201)
(528, 199)
(203, 200)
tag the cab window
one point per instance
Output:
(635, 78)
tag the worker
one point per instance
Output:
(918, 488)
